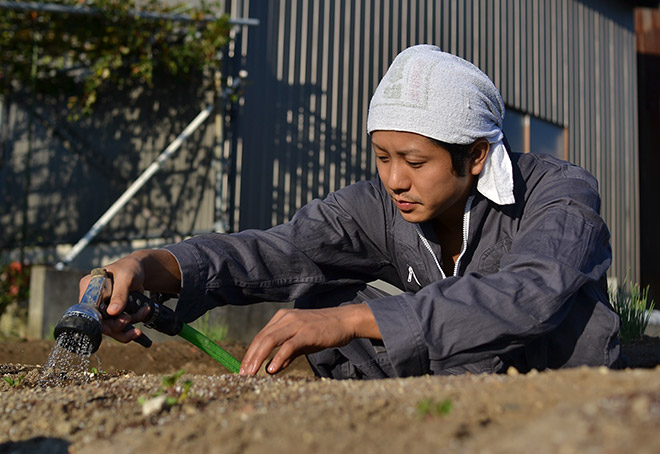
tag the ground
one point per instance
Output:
(581, 410)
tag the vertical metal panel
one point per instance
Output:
(568, 62)
(79, 169)
(313, 66)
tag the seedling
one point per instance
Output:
(96, 371)
(428, 408)
(170, 389)
(13, 383)
(631, 303)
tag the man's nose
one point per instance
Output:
(399, 178)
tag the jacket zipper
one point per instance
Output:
(411, 275)
(428, 247)
(466, 231)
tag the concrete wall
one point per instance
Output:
(51, 293)
(244, 322)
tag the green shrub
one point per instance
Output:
(49, 52)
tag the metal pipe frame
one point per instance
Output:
(89, 11)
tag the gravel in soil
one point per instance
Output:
(123, 407)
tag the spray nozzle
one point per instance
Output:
(80, 328)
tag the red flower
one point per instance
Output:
(16, 267)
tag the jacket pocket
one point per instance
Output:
(565, 237)
(489, 262)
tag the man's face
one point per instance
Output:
(419, 177)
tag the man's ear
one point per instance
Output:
(478, 154)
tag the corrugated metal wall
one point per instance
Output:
(315, 64)
(77, 170)
(300, 130)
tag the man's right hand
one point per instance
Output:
(149, 269)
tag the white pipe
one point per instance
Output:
(89, 11)
(135, 187)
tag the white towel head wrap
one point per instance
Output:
(438, 95)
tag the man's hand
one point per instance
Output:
(151, 269)
(303, 331)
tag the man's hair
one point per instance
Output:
(460, 154)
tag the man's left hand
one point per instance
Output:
(303, 331)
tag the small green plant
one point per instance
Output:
(173, 396)
(632, 305)
(428, 408)
(13, 383)
(96, 371)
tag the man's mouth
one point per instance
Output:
(404, 205)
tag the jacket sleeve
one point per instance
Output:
(324, 246)
(560, 245)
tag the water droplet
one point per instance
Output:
(68, 361)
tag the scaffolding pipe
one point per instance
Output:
(133, 188)
(172, 148)
(89, 11)
(148, 173)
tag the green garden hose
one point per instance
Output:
(210, 348)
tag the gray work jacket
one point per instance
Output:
(528, 290)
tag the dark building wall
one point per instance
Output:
(315, 64)
(647, 26)
(299, 132)
(77, 170)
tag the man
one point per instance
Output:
(502, 257)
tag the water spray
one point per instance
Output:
(80, 328)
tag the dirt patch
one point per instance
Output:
(578, 410)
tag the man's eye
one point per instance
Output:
(382, 158)
(415, 165)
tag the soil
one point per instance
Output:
(582, 410)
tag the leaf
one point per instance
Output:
(107, 45)
(169, 381)
(429, 407)
(13, 383)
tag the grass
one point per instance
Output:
(632, 305)
(429, 408)
(13, 383)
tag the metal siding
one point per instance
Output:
(79, 170)
(558, 60)
(313, 65)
